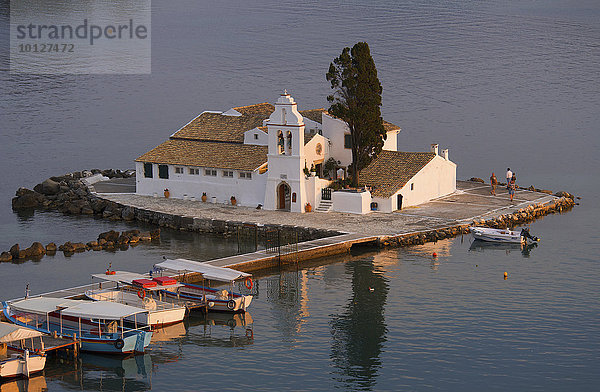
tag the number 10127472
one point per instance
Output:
(46, 48)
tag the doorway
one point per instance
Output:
(399, 202)
(283, 197)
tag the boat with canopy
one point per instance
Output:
(22, 361)
(99, 325)
(142, 291)
(215, 299)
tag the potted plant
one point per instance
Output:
(167, 193)
(203, 197)
(308, 207)
(233, 200)
(306, 171)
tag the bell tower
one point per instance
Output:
(285, 181)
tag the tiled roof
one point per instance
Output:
(388, 126)
(222, 128)
(219, 155)
(391, 170)
(263, 110)
(314, 114)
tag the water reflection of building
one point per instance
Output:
(359, 332)
(288, 293)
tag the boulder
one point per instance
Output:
(155, 234)
(36, 249)
(22, 254)
(29, 199)
(564, 194)
(14, 251)
(49, 187)
(476, 179)
(87, 211)
(51, 247)
(128, 214)
(109, 236)
(72, 208)
(5, 256)
(132, 232)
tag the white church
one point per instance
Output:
(274, 156)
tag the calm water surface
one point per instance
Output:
(502, 83)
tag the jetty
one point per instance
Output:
(448, 216)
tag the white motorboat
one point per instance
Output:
(22, 362)
(144, 295)
(217, 299)
(502, 235)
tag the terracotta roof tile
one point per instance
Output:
(391, 170)
(388, 126)
(263, 110)
(314, 114)
(219, 155)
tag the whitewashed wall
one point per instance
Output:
(334, 130)
(435, 180)
(351, 202)
(263, 138)
(310, 153)
(247, 192)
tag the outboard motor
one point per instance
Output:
(525, 234)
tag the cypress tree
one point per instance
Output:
(357, 100)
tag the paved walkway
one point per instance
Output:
(470, 201)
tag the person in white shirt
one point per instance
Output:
(509, 175)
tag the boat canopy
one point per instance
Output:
(103, 310)
(43, 304)
(126, 277)
(122, 277)
(10, 333)
(208, 271)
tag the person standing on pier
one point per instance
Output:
(509, 175)
(493, 183)
(511, 187)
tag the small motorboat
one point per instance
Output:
(23, 362)
(503, 235)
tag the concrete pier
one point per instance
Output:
(472, 201)
(445, 217)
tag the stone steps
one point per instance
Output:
(324, 206)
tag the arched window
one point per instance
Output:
(289, 143)
(280, 143)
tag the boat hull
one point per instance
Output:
(22, 365)
(160, 314)
(496, 235)
(235, 304)
(129, 341)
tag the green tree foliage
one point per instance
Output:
(357, 100)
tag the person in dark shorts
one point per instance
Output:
(493, 183)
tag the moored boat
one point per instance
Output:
(99, 325)
(502, 235)
(22, 361)
(160, 313)
(216, 299)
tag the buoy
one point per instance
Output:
(371, 289)
(505, 275)
(434, 254)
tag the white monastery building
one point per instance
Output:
(260, 155)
